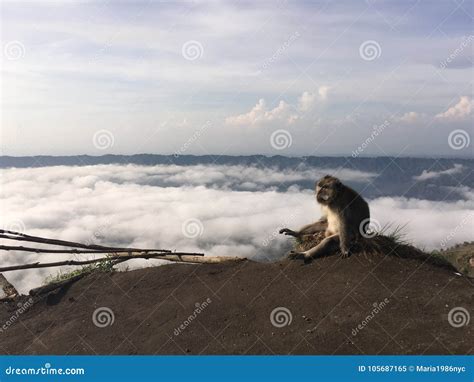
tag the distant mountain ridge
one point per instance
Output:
(395, 176)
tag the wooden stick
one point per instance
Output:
(4, 234)
(77, 251)
(202, 259)
(125, 256)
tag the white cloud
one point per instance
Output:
(410, 117)
(306, 101)
(145, 206)
(425, 175)
(323, 92)
(259, 114)
(459, 111)
(284, 112)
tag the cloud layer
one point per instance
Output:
(188, 209)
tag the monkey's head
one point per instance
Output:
(327, 189)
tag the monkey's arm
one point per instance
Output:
(346, 238)
(308, 229)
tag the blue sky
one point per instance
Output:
(284, 77)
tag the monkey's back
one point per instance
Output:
(353, 209)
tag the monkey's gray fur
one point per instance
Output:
(345, 217)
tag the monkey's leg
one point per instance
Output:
(308, 229)
(328, 245)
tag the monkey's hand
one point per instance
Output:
(345, 254)
(289, 232)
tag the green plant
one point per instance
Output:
(106, 265)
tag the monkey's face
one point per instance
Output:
(327, 189)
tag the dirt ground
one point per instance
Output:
(361, 305)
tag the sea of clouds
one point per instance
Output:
(215, 209)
